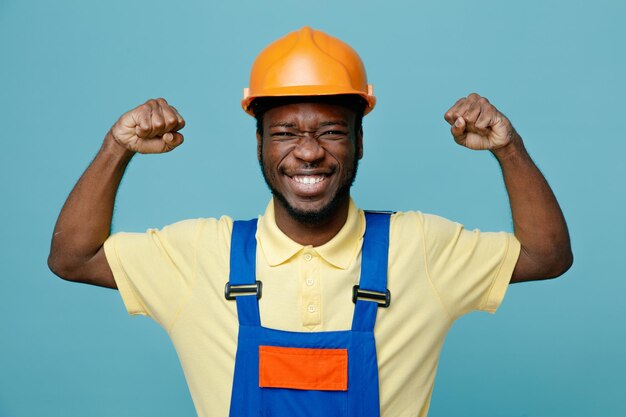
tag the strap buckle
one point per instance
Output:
(383, 299)
(233, 291)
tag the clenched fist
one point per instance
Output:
(478, 125)
(150, 128)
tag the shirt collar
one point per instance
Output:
(339, 251)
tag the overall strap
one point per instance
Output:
(374, 259)
(243, 272)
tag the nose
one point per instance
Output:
(308, 149)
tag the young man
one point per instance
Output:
(328, 310)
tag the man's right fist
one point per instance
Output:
(150, 128)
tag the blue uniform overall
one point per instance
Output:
(349, 356)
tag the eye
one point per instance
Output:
(282, 135)
(334, 134)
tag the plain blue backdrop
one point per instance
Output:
(68, 69)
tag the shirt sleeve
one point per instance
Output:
(154, 271)
(469, 269)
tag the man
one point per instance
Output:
(314, 353)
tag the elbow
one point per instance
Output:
(55, 266)
(547, 264)
(568, 261)
(59, 267)
(560, 264)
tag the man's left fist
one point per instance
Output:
(478, 125)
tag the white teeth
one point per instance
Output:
(309, 179)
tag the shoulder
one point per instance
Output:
(426, 223)
(181, 233)
(212, 231)
(198, 226)
(417, 221)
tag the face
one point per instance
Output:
(308, 155)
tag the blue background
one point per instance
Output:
(68, 69)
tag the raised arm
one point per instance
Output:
(76, 252)
(537, 218)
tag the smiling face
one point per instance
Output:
(309, 154)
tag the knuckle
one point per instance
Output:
(144, 108)
(171, 120)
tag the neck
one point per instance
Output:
(311, 234)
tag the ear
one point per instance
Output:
(259, 143)
(359, 143)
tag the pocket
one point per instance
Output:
(303, 382)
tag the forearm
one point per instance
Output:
(85, 219)
(537, 218)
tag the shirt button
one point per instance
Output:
(310, 281)
(311, 308)
(307, 257)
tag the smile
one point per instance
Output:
(308, 179)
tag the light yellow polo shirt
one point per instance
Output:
(437, 272)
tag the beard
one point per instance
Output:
(320, 216)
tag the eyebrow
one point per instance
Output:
(322, 124)
(283, 124)
(334, 122)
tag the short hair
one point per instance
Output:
(351, 101)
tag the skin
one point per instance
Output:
(76, 252)
(538, 221)
(301, 140)
(314, 142)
